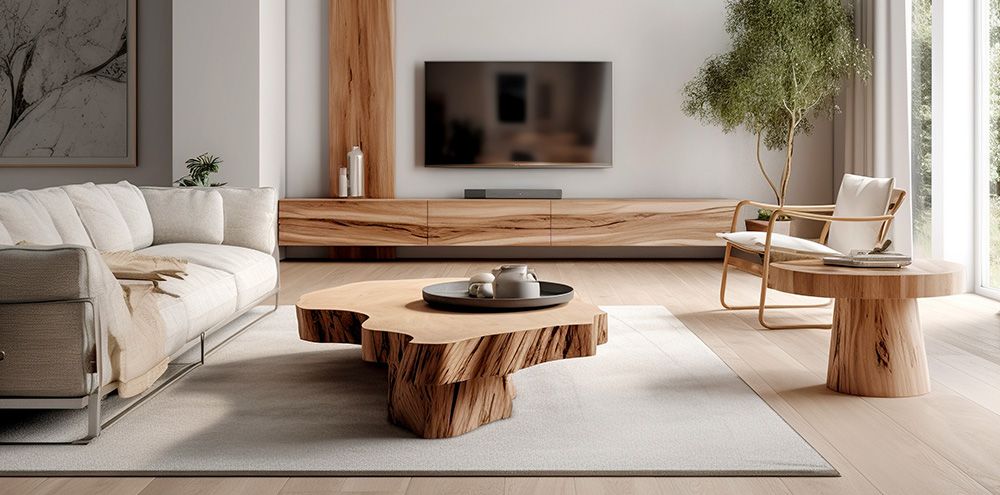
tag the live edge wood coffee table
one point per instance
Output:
(876, 345)
(449, 372)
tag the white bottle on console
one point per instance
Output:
(356, 172)
(342, 183)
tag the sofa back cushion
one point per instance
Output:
(132, 206)
(63, 213)
(104, 222)
(185, 215)
(5, 239)
(251, 217)
(26, 221)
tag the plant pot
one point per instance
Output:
(780, 226)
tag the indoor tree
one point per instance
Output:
(785, 67)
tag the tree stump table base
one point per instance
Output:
(876, 343)
(877, 349)
(448, 372)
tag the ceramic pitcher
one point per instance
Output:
(515, 281)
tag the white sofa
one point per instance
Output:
(60, 306)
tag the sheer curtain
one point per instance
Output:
(876, 113)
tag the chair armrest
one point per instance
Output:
(766, 206)
(829, 218)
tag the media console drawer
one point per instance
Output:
(352, 222)
(639, 222)
(507, 222)
(485, 222)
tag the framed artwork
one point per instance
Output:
(67, 83)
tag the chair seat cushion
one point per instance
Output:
(754, 241)
(255, 273)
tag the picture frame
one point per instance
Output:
(85, 116)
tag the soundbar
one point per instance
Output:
(513, 194)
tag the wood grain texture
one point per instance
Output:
(448, 371)
(475, 222)
(353, 222)
(877, 349)
(362, 91)
(654, 222)
(876, 344)
(484, 222)
(923, 278)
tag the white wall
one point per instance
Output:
(656, 47)
(228, 87)
(271, 74)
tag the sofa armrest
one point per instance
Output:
(56, 304)
(50, 273)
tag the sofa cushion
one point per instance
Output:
(251, 217)
(63, 213)
(25, 221)
(104, 222)
(5, 236)
(255, 273)
(132, 205)
(754, 241)
(185, 215)
(206, 296)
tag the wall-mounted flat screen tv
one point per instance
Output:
(517, 114)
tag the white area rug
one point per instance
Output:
(654, 401)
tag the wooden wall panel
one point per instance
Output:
(483, 222)
(335, 222)
(624, 222)
(361, 91)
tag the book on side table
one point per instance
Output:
(860, 258)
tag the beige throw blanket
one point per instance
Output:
(139, 276)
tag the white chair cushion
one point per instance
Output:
(105, 224)
(256, 273)
(251, 215)
(185, 215)
(25, 221)
(132, 205)
(859, 197)
(5, 239)
(754, 241)
(63, 213)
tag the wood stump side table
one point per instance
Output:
(449, 372)
(876, 344)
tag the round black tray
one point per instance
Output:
(455, 295)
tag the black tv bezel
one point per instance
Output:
(525, 165)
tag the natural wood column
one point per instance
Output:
(877, 349)
(362, 91)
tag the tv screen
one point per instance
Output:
(517, 114)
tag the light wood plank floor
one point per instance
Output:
(945, 442)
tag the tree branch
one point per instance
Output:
(763, 171)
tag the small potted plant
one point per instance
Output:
(782, 225)
(784, 69)
(200, 168)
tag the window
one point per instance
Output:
(989, 170)
(920, 127)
